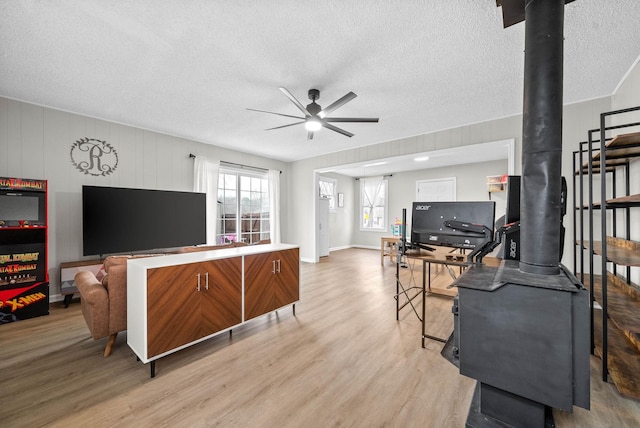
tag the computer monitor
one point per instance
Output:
(467, 225)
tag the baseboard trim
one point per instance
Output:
(367, 247)
(55, 298)
(342, 247)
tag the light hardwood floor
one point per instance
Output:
(342, 360)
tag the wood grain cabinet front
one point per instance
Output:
(271, 281)
(191, 301)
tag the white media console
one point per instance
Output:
(178, 300)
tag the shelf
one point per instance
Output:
(619, 251)
(620, 150)
(21, 227)
(623, 361)
(631, 201)
(496, 183)
(596, 169)
(623, 305)
(622, 202)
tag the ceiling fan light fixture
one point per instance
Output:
(313, 124)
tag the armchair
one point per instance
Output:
(104, 303)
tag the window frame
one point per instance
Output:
(263, 217)
(385, 218)
(333, 197)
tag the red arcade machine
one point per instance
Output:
(24, 278)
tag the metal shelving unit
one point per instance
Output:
(615, 328)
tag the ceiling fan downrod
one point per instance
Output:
(313, 108)
(314, 94)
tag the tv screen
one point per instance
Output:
(23, 206)
(121, 220)
(18, 207)
(428, 224)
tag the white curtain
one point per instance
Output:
(274, 205)
(205, 180)
(373, 196)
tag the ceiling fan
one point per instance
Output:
(315, 117)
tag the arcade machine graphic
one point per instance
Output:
(24, 279)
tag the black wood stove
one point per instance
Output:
(522, 328)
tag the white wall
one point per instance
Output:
(341, 220)
(627, 96)
(628, 93)
(35, 142)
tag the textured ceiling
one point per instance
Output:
(191, 68)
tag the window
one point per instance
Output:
(243, 199)
(327, 190)
(373, 203)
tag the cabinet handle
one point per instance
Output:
(206, 286)
(278, 265)
(198, 288)
(273, 267)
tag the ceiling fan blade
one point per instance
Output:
(284, 126)
(294, 100)
(338, 130)
(342, 101)
(278, 114)
(310, 135)
(352, 119)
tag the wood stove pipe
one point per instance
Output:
(540, 202)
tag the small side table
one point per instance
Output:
(390, 240)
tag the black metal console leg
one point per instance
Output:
(294, 309)
(153, 369)
(230, 333)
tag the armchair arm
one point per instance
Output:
(117, 289)
(91, 290)
(95, 303)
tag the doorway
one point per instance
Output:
(440, 189)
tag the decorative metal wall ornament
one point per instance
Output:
(94, 157)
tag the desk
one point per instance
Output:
(444, 257)
(444, 260)
(390, 240)
(408, 287)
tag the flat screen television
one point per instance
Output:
(122, 220)
(429, 224)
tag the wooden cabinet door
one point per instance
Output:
(271, 281)
(259, 273)
(221, 294)
(287, 286)
(173, 307)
